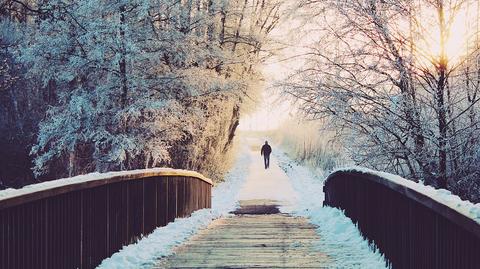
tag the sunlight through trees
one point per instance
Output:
(401, 79)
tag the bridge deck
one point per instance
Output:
(258, 236)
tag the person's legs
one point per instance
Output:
(265, 160)
(268, 161)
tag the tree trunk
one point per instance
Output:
(185, 17)
(223, 18)
(71, 164)
(123, 61)
(239, 27)
(406, 87)
(440, 100)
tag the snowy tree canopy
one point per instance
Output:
(136, 82)
(399, 81)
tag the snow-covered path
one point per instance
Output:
(258, 235)
(267, 184)
(295, 188)
(299, 191)
(340, 239)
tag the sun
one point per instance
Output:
(460, 33)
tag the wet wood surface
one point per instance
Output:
(251, 239)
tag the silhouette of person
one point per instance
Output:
(266, 150)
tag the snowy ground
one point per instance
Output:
(271, 184)
(339, 237)
(300, 192)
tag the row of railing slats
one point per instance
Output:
(410, 234)
(81, 228)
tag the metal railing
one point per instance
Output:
(78, 222)
(410, 228)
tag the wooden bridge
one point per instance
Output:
(76, 223)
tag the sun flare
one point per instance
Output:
(460, 34)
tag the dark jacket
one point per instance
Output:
(266, 150)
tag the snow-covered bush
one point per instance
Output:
(306, 142)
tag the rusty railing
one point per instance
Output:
(83, 220)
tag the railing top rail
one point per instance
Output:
(463, 213)
(13, 197)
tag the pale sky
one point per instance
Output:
(269, 116)
(273, 109)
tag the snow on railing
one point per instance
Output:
(442, 196)
(414, 225)
(88, 180)
(77, 222)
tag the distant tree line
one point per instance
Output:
(102, 85)
(399, 82)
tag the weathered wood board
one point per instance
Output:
(251, 241)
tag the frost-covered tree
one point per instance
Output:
(140, 83)
(399, 78)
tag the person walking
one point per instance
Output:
(266, 150)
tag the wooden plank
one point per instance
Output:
(172, 199)
(149, 206)
(162, 201)
(74, 234)
(94, 223)
(181, 199)
(42, 231)
(100, 225)
(188, 197)
(3, 239)
(14, 247)
(135, 209)
(23, 221)
(117, 216)
(250, 241)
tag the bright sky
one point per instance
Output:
(273, 109)
(272, 112)
(269, 116)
